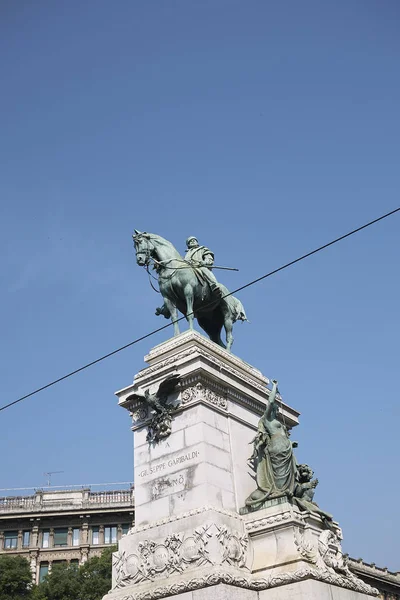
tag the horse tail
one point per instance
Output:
(236, 308)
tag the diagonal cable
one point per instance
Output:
(239, 289)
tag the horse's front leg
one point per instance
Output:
(189, 298)
(174, 314)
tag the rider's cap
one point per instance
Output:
(192, 237)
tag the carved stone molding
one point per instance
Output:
(54, 555)
(216, 577)
(207, 348)
(199, 392)
(248, 386)
(209, 544)
(273, 520)
(164, 363)
(191, 379)
(222, 366)
(185, 515)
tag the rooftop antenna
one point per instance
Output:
(49, 474)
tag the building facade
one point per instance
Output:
(387, 582)
(63, 526)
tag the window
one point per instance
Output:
(45, 539)
(74, 562)
(61, 537)
(110, 535)
(43, 570)
(95, 535)
(26, 539)
(57, 563)
(75, 537)
(125, 528)
(10, 539)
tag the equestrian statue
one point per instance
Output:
(189, 285)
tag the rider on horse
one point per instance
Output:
(202, 259)
(188, 285)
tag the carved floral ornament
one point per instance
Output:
(209, 544)
(199, 392)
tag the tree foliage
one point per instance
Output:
(61, 584)
(90, 581)
(15, 578)
(95, 576)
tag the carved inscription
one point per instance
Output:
(166, 485)
(169, 464)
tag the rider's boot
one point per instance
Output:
(216, 290)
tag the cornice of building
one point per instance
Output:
(66, 501)
(359, 567)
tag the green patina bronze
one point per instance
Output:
(304, 492)
(277, 473)
(189, 285)
(162, 409)
(200, 257)
(272, 459)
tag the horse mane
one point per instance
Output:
(164, 243)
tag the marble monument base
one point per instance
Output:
(277, 553)
(189, 540)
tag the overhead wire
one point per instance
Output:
(239, 289)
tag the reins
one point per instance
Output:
(151, 276)
(163, 264)
(158, 264)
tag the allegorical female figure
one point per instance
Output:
(272, 458)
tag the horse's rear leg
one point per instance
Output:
(174, 315)
(228, 324)
(217, 340)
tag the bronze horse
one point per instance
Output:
(183, 288)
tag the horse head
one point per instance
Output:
(143, 247)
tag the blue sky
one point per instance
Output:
(264, 128)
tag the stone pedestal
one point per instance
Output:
(189, 541)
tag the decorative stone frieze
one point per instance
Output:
(204, 394)
(217, 576)
(211, 544)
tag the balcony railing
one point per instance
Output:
(83, 499)
(123, 496)
(17, 503)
